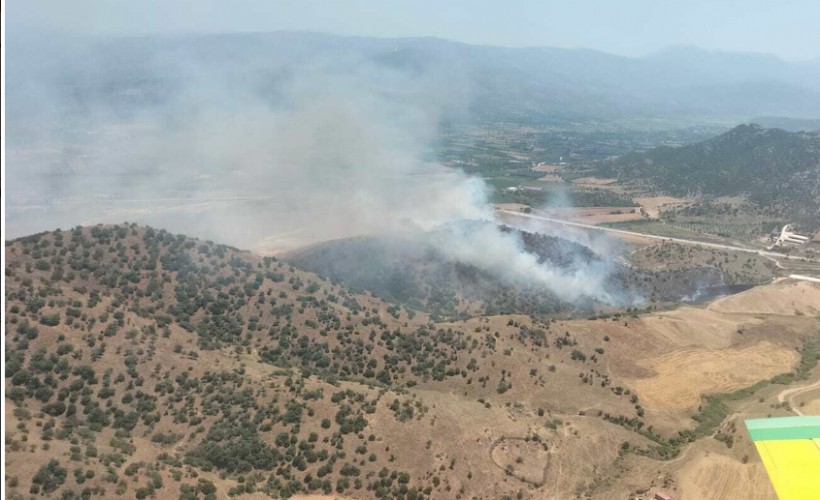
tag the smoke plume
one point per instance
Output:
(263, 151)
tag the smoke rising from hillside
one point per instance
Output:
(267, 157)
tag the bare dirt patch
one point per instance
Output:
(652, 205)
(682, 376)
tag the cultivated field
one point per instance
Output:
(681, 377)
(594, 181)
(721, 477)
(594, 215)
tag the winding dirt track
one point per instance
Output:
(789, 394)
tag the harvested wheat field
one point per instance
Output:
(692, 326)
(786, 297)
(681, 377)
(718, 477)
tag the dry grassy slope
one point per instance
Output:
(187, 339)
(787, 298)
(727, 466)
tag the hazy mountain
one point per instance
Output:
(788, 124)
(540, 85)
(775, 168)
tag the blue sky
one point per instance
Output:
(786, 28)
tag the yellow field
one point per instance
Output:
(692, 326)
(709, 371)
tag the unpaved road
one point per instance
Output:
(789, 394)
(718, 246)
(804, 278)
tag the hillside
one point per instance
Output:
(788, 124)
(779, 171)
(416, 273)
(142, 363)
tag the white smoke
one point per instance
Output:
(335, 148)
(489, 248)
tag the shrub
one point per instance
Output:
(55, 409)
(50, 476)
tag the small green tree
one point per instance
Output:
(50, 476)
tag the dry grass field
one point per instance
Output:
(809, 403)
(721, 477)
(594, 215)
(681, 377)
(594, 181)
(786, 297)
(546, 168)
(653, 205)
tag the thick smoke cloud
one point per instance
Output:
(264, 155)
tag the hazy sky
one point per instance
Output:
(787, 28)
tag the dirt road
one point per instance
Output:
(789, 394)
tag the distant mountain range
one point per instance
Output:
(788, 124)
(775, 168)
(520, 85)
